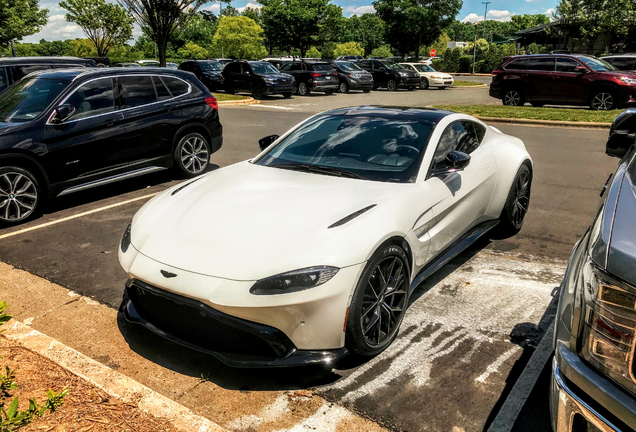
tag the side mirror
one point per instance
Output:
(63, 113)
(580, 69)
(263, 143)
(455, 161)
(622, 135)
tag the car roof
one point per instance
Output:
(6, 61)
(430, 115)
(71, 74)
(620, 55)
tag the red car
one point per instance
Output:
(562, 79)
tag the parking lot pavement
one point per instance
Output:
(467, 336)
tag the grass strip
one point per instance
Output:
(461, 83)
(228, 97)
(534, 113)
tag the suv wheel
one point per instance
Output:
(303, 89)
(329, 92)
(19, 194)
(192, 155)
(391, 85)
(287, 95)
(424, 84)
(257, 92)
(602, 100)
(514, 97)
(344, 87)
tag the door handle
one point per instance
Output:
(170, 107)
(108, 123)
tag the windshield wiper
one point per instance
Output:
(319, 169)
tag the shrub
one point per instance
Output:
(313, 53)
(348, 48)
(450, 62)
(193, 51)
(465, 63)
(437, 65)
(383, 51)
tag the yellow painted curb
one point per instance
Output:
(113, 383)
(248, 101)
(587, 125)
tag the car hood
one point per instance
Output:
(621, 257)
(247, 222)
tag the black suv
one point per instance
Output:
(208, 72)
(15, 68)
(69, 130)
(626, 62)
(312, 76)
(351, 77)
(389, 74)
(259, 78)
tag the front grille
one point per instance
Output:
(364, 78)
(200, 325)
(448, 82)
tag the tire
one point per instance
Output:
(514, 97)
(329, 92)
(192, 155)
(391, 85)
(424, 85)
(603, 100)
(303, 89)
(516, 207)
(388, 260)
(257, 92)
(344, 87)
(366, 90)
(537, 104)
(20, 195)
(411, 88)
(287, 95)
(441, 88)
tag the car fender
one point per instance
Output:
(29, 159)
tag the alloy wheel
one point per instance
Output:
(424, 84)
(343, 87)
(391, 85)
(603, 101)
(18, 196)
(384, 301)
(303, 89)
(194, 155)
(512, 98)
(521, 199)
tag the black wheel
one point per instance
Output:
(257, 92)
(192, 155)
(517, 203)
(287, 95)
(379, 302)
(513, 97)
(19, 194)
(603, 100)
(424, 84)
(391, 85)
(537, 104)
(329, 92)
(411, 88)
(344, 87)
(367, 90)
(229, 90)
(303, 89)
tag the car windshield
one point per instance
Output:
(424, 68)
(391, 65)
(322, 67)
(597, 64)
(27, 99)
(210, 66)
(372, 148)
(347, 66)
(264, 68)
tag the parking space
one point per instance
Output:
(469, 332)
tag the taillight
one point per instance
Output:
(315, 74)
(495, 72)
(212, 102)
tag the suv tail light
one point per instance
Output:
(316, 74)
(496, 72)
(212, 102)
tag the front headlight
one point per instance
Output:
(294, 281)
(609, 325)
(126, 239)
(628, 80)
(404, 74)
(269, 80)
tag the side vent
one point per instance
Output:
(177, 190)
(352, 216)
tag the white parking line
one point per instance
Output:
(272, 106)
(79, 215)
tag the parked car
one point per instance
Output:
(626, 62)
(69, 130)
(312, 76)
(171, 65)
(13, 69)
(350, 57)
(352, 77)
(338, 221)
(259, 78)
(429, 77)
(391, 75)
(593, 381)
(224, 61)
(127, 65)
(278, 61)
(209, 72)
(574, 79)
(148, 63)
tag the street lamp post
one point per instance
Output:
(474, 46)
(485, 13)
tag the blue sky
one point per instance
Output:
(473, 11)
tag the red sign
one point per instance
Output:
(433, 52)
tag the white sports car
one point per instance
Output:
(311, 250)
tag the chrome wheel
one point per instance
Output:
(602, 101)
(424, 84)
(344, 88)
(303, 90)
(384, 301)
(391, 85)
(194, 155)
(512, 98)
(18, 196)
(521, 199)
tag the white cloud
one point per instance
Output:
(499, 15)
(56, 29)
(250, 5)
(549, 12)
(214, 7)
(358, 10)
(472, 18)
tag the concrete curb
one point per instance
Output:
(248, 101)
(113, 383)
(586, 125)
(468, 87)
(468, 74)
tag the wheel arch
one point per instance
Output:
(601, 85)
(27, 161)
(190, 128)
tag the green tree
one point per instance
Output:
(526, 21)
(192, 51)
(383, 51)
(229, 11)
(82, 48)
(105, 24)
(252, 13)
(240, 37)
(20, 18)
(160, 19)
(368, 30)
(411, 24)
(348, 48)
(54, 48)
(199, 30)
(313, 53)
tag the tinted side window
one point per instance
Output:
(93, 98)
(176, 86)
(365, 64)
(541, 64)
(137, 91)
(564, 64)
(233, 67)
(160, 88)
(20, 72)
(246, 68)
(520, 64)
(186, 66)
(4, 79)
(461, 136)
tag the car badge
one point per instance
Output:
(167, 274)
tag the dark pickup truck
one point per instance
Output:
(312, 76)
